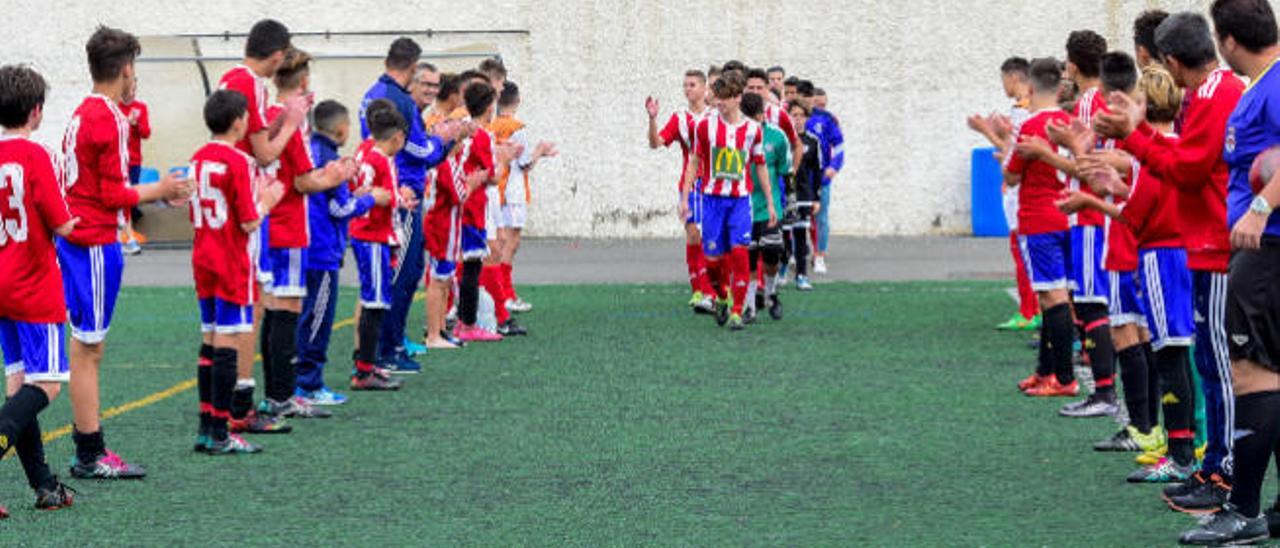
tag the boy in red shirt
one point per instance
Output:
(33, 310)
(443, 241)
(225, 214)
(372, 237)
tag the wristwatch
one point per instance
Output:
(1260, 206)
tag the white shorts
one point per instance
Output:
(513, 215)
(493, 213)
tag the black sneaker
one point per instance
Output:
(1226, 527)
(1179, 489)
(1272, 515)
(511, 328)
(749, 315)
(722, 312)
(1120, 441)
(55, 497)
(1200, 495)
(775, 308)
(759, 300)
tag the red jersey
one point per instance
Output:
(1041, 184)
(679, 129)
(289, 226)
(477, 154)
(726, 154)
(443, 222)
(31, 207)
(1122, 247)
(95, 155)
(1193, 164)
(1152, 211)
(136, 112)
(254, 89)
(374, 170)
(1091, 104)
(776, 116)
(222, 254)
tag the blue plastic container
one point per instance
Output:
(988, 206)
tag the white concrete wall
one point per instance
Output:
(901, 76)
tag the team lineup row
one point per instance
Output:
(1140, 189)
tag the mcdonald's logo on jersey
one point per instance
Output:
(728, 163)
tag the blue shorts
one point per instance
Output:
(266, 272)
(288, 275)
(475, 243)
(373, 260)
(726, 224)
(91, 282)
(1166, 288)
(1125, 303)
(1088, 277)
(35, 350)
(225, 318)
(695, 205)
(1047, 258)
(442, 270)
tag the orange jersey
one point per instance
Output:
(502, 128)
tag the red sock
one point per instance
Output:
(491, 281)
(693, 260)
(740, 268)
(507, 282)
(715, 274)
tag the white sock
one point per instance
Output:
(770, 285)
(751, 293)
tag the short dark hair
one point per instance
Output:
(110, 50)
(695, 73)
(222, 109)
(1046, 75)
(403, 54)
(384, 120)
(729, 85)
(792, 81)
(735, 65)
(752, 105)
(1144, 30)
(1015, 66)
(804, 88)
(758, 74)
(1186, 37)
(1251, 22)
(22, 90)
(449, 85)
(493, 68)
(714, 70)
(819, 92)
(1085, 49)
(510, 94)
(328, 114)
(1119, 72)
(265, 38)
(777, 68)
(478, 98)
(797, 104)
(469, 75)
(297, 63)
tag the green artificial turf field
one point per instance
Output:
(875, 414)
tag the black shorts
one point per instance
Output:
(763, 236)
(1253, 305)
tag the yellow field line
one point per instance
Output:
(174, 390)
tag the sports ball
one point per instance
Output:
(1264, 168)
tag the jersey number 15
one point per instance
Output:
(202, 212)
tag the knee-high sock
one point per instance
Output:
(508, 282)
(1133, 373)
(1257, 418)
(264, 342)
(284, 348)
(18, 410)
(1097, 342)
(223, 390)
(31, 452)
(369, 329)
(1058, 331)
(697, 267)
(1044, 359)
(716, 274)
(204, 386)
(740, 268)
(469, 292)
(1178, 402)
(1153, 384)
(800, 237)
(1027, 304)
(491, 280)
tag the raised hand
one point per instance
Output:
(979, 124)
(1125, 116)
(651, 106)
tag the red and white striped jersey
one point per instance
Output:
(679, 129)
(443, 221)
(778, 117)
(726, 154)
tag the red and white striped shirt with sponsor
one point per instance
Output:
(726, 154)
(679, 129)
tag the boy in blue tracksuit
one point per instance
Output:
(327, 217)
(421, 152)
(831, 140)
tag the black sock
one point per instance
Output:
(284, 344)
(1256, 431)
(18, 410)
(1097, 342)
(1044, 360)
(801, 236)
(468, 293)
(204, 386)
(241, 399)
(89, 447)
(370, 328)
(31, 452)
(1133, 373)
(1060, 333)
(264, 342)
(1178, 401)
(224, 394)
(1153, 384)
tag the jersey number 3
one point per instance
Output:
(11, 179)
